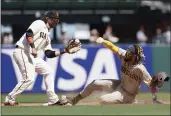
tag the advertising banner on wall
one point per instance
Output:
(71, 72)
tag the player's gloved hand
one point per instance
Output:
(73, 46)
(99, 40)
(159, 79)
(34, 52)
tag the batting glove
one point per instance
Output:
(99, 40)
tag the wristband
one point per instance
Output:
(32, 45)
(153, 89)
(62, 52)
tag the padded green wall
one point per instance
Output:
(161, 62)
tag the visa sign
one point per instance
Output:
(71, 72)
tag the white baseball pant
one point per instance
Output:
(27, 66)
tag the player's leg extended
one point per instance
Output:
(26, 68)
(44, 69)
(107, 85)
(115, 97)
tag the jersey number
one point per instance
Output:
(42, 35)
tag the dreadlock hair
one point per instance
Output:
(136, 50)
(139, 54)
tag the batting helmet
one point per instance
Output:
(135, 50)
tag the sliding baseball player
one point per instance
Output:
(132, 72)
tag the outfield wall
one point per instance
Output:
(161, 62)
(73, 72)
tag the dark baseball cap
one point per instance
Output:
(52, 14)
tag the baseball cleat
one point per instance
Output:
(135, 101)
(9, 101)
(66, 100)
(69, 100)
(58, 103)
(9, 104)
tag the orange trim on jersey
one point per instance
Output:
(111, 46)
(29, 39)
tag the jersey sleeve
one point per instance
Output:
(48, 45)
(121, 53)
(146, 76)
(117, 50)
(36, 26)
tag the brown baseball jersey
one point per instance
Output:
(132, 75)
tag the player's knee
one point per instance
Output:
(96, 82)
(30, 80)
(106, 101)
(103, 100)
(96, 85)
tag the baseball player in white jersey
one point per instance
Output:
(133, 73)
(25, 55)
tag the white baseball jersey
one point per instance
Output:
(132, 75)
(28, 64)
(41, 37)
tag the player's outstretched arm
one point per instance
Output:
(108, 44)
(73, 46)
(148, 80)
(52, 54)
(155, 82)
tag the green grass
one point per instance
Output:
(40, 98)
(122, 109)
(90, 110)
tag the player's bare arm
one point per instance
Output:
(73, 46)
(154, 82)
(147, 80)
